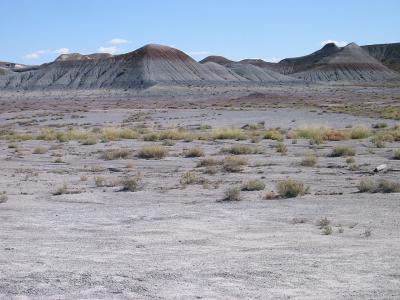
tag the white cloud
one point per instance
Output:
(338, 43)
(61, 51)
(111, 50)
(39, 53)
(118, 41)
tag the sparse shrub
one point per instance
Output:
(359, 132)
(112, 154)
(378, 142)
(39, 150)
(194, 152)
(350, 160)
(367, 185)
(151, 137)
(131, 183)
(169, 143)
(327, 230)
(234, 163)
(274, 134)
(309, 161)
(90, 140)
(228, 134)
(281, 148)
(83, 178)
(299, 221)
(205, 162)
(321, 223)
(153, 151)
(367, 232)
(61, 190)
(290, 188)
(379, 125)
(396, 154)
(239, 149)
(58, 161)
(3, 197)
(112, 134)
(211, 170)
(192, 177)
(99, 181)
(343, 150)
(253, 185)
(232, 194)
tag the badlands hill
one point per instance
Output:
(331, 63)
(157, 64)
(388, 54)
(144, 67)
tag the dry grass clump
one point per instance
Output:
(315, 134)
(61, 190)
(112, 154)
(309, 161)
(360, 132)
(3, 197)
(112, 134)
(274, 134)
(396, 154)
(232, 194)
(151, 136)
(206, 162)
(281, 148)
(379, 125)
(39, 150)
(153, 152)
(194, 152)
(228, 134)
(192, 177)
(90, 140)
(131, 183)
(253, 185)
(177, 134)
(367, 185)
(99, 181)
(342, 150)
(239, 149)
(234, 163)
(350, 160)
(291, 188)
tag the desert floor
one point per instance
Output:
(171, 240)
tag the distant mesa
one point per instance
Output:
(217, 59)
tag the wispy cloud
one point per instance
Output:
(338, 43)
(111, 49)
(118, 41)
(39, 53)
(61, 51)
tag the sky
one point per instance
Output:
(34, 32)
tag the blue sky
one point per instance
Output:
(34, 32)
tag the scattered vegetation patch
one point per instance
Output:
(153, 152)
(192, 177)
(274, 134)
(3, 197)
(342, 150)
(253, 185)
(368, 185)
(360, 132)
(232, 194)
(396, 154)
(39, 150)
(309, 161)
(228, 134)
(281, 148)
(234, 163)
(61, 190)
(112, 154)
(240, 149)
(194, 152)
(206, 162)
(131, 183)
(291, 188)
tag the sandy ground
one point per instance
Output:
(169, 241)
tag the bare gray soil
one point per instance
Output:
(174, 241)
